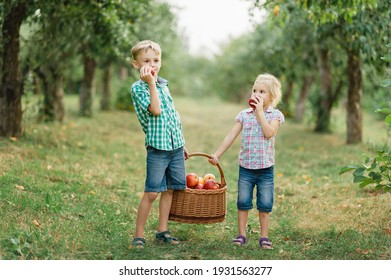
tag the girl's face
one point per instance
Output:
(149, 58)
(262, 90)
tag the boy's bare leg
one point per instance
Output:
(164, 211)
(143, 212)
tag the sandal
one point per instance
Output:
(138, 242)
(165, 237)
(265, 243)
(240, 240)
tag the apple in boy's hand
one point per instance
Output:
(152, 72)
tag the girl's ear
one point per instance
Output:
(135, 64)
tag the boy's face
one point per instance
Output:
(148, 59)
(262, 90)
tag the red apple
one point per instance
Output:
(152, 72)
(209, 176)
(251, 103)
(209, 184)
(191, 180)
(199, 186)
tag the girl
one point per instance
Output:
(259, 127)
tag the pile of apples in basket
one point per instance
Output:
(208, 182)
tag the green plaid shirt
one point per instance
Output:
(163, 132)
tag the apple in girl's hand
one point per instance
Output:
(251, 103)
(191, 180)
(152, 72)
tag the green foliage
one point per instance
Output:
(123, 99)
(375, 171)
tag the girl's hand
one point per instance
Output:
(214, 159)
(258, 102)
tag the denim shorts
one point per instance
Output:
(165, 170)
(264, 180)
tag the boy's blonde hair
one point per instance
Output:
(274, 86)
(144, 46)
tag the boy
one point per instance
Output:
(164, 140)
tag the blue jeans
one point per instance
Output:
(165, 170)
(264, 180)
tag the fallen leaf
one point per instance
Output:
(21, 188)
(36, 223)
(388, 231)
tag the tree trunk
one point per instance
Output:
(53, 101)
(123, 73)
(286, 99)
(300, 103)
(10, 89)
(105, 101)
(325, 104)
(354, 115)
(86, 92)
(59, 107)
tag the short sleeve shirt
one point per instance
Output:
(163, 132)
(257, 152)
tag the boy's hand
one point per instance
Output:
(147, 74)
(214, 159)
(186, 153)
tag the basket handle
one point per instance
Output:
(223, 183)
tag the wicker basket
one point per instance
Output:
(194, 206)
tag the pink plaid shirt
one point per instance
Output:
(257, 152)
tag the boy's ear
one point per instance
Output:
(135, 64)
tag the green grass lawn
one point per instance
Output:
(71, 191)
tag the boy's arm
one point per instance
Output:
(154, 107)
(146, 76)
(227, 142)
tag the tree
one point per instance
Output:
(10, 89)
(351, 22)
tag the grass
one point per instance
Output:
(71, 191)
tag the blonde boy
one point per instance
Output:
(164, 140)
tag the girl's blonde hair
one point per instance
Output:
(274, 86)
(144, 46)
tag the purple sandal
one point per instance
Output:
(265, 243)
(240, 240)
